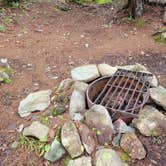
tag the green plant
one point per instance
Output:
(2, 28)
(160, 38)
(124, 157)
(44, 119)
(140, 22)
(5, 74)
(62, 99)
(8, 20)
(66, 160)
(32, 144)
(103, 1)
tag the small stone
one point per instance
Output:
(106, 70)
(158, 95)
(77, 104)
(132, 146)
(36, 129)
(98, 117)
(15, 144)
(37, 101)
(121, 127)
(85, 73)
(82, 161)
(65, 84)
(80, 86)
(20, 128)
(108, 157)
(56, 152)
(71, 139)
(164, 18)
(87, 138)
(150, 121)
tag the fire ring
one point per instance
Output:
(123, 94)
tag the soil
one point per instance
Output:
(43, 44)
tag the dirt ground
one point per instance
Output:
(43, 44)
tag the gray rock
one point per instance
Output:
(65, 84)
(77, 104)
(37, 101)
(108, 157)
(150, 121)
(132, 146)
(80, 86)
(82, 161)
(87, 138)
(121, 127)
(85, 73)
(163, 35)
(106, 70)
(98, 117)
(36, 129)
(120, 4)
(56, 152)
(136, 67)
(116, 139)
(158, 95)
(71, 139)
(158, 1)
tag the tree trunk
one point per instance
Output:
(137, 8)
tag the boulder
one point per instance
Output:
(132, 146)
(87, 138)
(65, 84)
(82, 161)
(71, 139)
(158, 95)
(56, 151)
(150, 121)
(36, 129)
(108, 157)
(85, 73)
(106, 70)
(77, 104)
(37, 101)
(98, 117)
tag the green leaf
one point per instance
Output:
(103, 1)
(2, 28)
(44, 139)
(47, 147)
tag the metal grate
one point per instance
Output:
(126, 92)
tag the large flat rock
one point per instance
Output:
(85, 73)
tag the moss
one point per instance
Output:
(124, 157)
(160, 38)
(66, 160)
(5, 74)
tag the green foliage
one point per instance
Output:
(103, 1)
(44, 119)
(62, 99)
(12, 3)
(140, 22)
(124, 157)
(5, 74)
(32, 144)
(8, 20)
(160, 38)
(66, 160)
(2, 28)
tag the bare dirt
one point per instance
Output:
(43, 44)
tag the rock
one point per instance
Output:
(150, 121)
(163, 35)
(58, 110)
(158, 1)
(80, 86)
(56, 152)
(98, 117)
(132, 146)
(87, 138)
(164, 18)
(120, 4)
(158, 95)
(136, 67)
(106, 70)
(37, 101)
(65, 84)
(71, 139)
(116, 139)
(15, 144)
(85, 73)
(121, 127)
(36, 129)
(82, 161)
(77, 104)
(108, 157)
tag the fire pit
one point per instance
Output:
(123, 94)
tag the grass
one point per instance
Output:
(160, 39)
(2, 28)
(33, 145)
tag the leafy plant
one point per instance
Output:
(159, 38)
(8, 20)
(44, 119)
(2, 28)
(32, 144)
(103, 1)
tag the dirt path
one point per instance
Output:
(43, 44)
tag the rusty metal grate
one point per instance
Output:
(125, 92)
